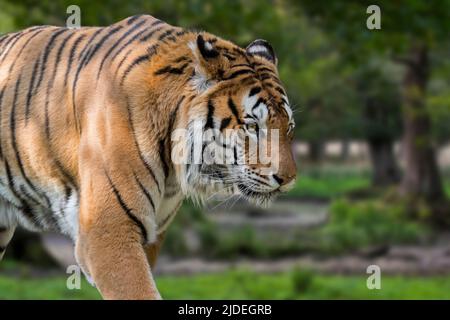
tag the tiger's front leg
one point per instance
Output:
(115, 259)
(114, 226)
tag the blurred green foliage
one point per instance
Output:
(242, 284)
(359, 225)
(318, 74)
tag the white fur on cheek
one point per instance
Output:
(260, 112)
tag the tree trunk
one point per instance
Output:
(385, 170)
(345, 150)
(421, 179)
(316, 150)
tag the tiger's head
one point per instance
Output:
(238, 125)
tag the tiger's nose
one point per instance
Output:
(285, 182)
(278, 179)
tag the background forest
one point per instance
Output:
(372, 110)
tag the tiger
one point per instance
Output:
(87, 146)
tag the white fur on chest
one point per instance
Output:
(168, 210)
(63, 210)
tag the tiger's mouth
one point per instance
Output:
(259, 198)
(233, 184)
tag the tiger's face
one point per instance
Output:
(239, 125)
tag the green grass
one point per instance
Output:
(247, 285)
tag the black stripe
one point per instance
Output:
(266, 76)
(146, 165)
(24, 206)
(67, 192)
(151, 51)
(229, 56)
(17, 38)
(59, 54)
(11, 40)
(238, 73)
(206, 52)
(254, 91)
(48, 49)
(23, 48)
(100, 44)
(30, 90)
(259, 181)
(127, 210)
(122, 62)
(235, 155)
(28, 195)
(87, 45)
(180, 33)
(166, 219)
(165, 34)
(116, 44)
(156, 23)
(72, 56)
(83, 56)
(133, 18)
(257, 103)
(266, 69)
(210, 116)
(173, 117)
(150, 34)
(132, 39)
(280, 90)
(224, 123)
(241, 65)
(12, 123)
(234, 110)
(171, 70)
(145, 192)
(1, 102)
(2, 249)
(134, 64)
(51, 82)
(162, 157)
(181, 59)
(3, 38)
(64, 172)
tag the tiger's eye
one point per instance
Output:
(252, 127)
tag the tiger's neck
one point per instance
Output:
(159, 95)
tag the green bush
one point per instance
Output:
(329, 181)
(302, 280)
(355, 225)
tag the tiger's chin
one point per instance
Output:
(204, 193)
(261, 199)
(208, 183)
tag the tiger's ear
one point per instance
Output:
(206, 48)
(209, 63)
(263, 49)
